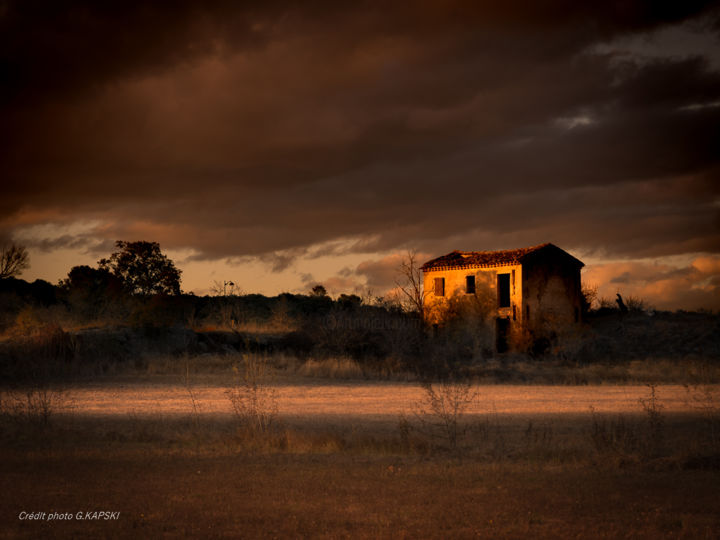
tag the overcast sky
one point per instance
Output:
(282, 144)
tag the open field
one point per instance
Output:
(360, 459)
(340, 496)
(362, 399)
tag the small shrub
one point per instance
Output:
(34, 406)
(635, 303)
(655, 422)
(442, 410)
(252, 397)
(624, 437)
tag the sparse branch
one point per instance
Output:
(13, 260)
(225, 288)
(442, 410)
(410, 283)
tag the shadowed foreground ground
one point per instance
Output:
(534, 462)
(354, 496)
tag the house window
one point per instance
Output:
(439, 286)
(470, 284)
(503, 287)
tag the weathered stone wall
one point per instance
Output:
(486, 292)
(552, 298)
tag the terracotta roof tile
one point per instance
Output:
(488, 258)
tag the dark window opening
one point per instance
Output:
(470, 284)
(502, 329)
(439, 286)
(503, 286)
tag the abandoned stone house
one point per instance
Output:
(525, 294)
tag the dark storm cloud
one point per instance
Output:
(263, 129)
(76, 46)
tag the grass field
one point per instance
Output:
(359, 459)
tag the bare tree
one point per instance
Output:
(13, 260)
(225, 288)
(410, 283)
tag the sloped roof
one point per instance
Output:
(464, 259)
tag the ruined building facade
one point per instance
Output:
(524, 295)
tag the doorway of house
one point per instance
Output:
(502, 329)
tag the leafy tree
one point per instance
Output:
(92, 280)
(318, 290)
(143, 268)
(349, 301)
(92, 291)
(13, 260)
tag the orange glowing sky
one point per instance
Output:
(283, 144)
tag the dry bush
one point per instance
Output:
(605, 303)
(43, 354)
(195, 405)
(33, 407)
(635, 303)
(626, 438)
(441, 412)
(281, 320)
(655, 422)
(252, 396)
(589, 296)
(32, 364)
(31, 320)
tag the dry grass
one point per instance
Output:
(533, 461)
(332, 368)
(298, 397)
(347, 497)
(651, 370)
